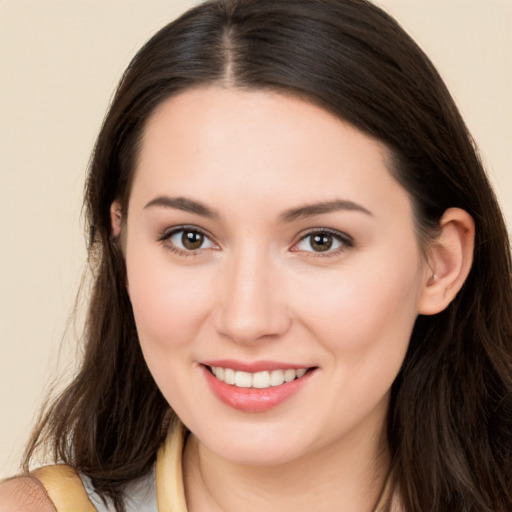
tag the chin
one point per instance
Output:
(252, 454)
(256, 445)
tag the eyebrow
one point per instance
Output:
(184, 204)
(310, 210)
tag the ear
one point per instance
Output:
(116, 218)
(449, 261)
(116, 223)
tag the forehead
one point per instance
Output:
(258, 144)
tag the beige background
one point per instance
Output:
(59, 63)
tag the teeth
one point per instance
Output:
(289, 375)
(276, 377)
(243, 380)
(229, 376)
(259, 380)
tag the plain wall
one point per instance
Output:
(59, 63)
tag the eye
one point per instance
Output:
(323, 241)
(187, 240)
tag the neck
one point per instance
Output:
(347, 475)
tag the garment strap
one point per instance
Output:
(68, 494)
(65, 488)
(169, 476)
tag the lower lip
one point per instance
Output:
(254, 399)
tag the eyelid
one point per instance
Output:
(169, 231)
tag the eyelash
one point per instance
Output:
(343, 239)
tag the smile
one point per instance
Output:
(265, 387)
(258, 380)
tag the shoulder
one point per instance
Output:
(24, 494)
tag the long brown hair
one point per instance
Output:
(450, 419)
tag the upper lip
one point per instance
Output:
(254, 366)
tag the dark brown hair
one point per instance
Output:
(450, 420)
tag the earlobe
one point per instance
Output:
(116, 218)
(449, 261)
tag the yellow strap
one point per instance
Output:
(169, 477)
(64, 488)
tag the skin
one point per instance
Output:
(256, 289)
(24, 494)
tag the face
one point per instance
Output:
(267, 242)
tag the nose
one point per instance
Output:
(251, 302)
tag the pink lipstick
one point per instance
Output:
(255, 387)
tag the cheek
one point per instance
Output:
(364, 306)
(169, 308)
(363, 319)
(169, 304)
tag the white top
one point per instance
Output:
(140, 495)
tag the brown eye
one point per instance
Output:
(192, 240)
(188, 240)
(321, 242)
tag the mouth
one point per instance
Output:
(258, 380)
(258, 390)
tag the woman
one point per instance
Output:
(297, 253)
